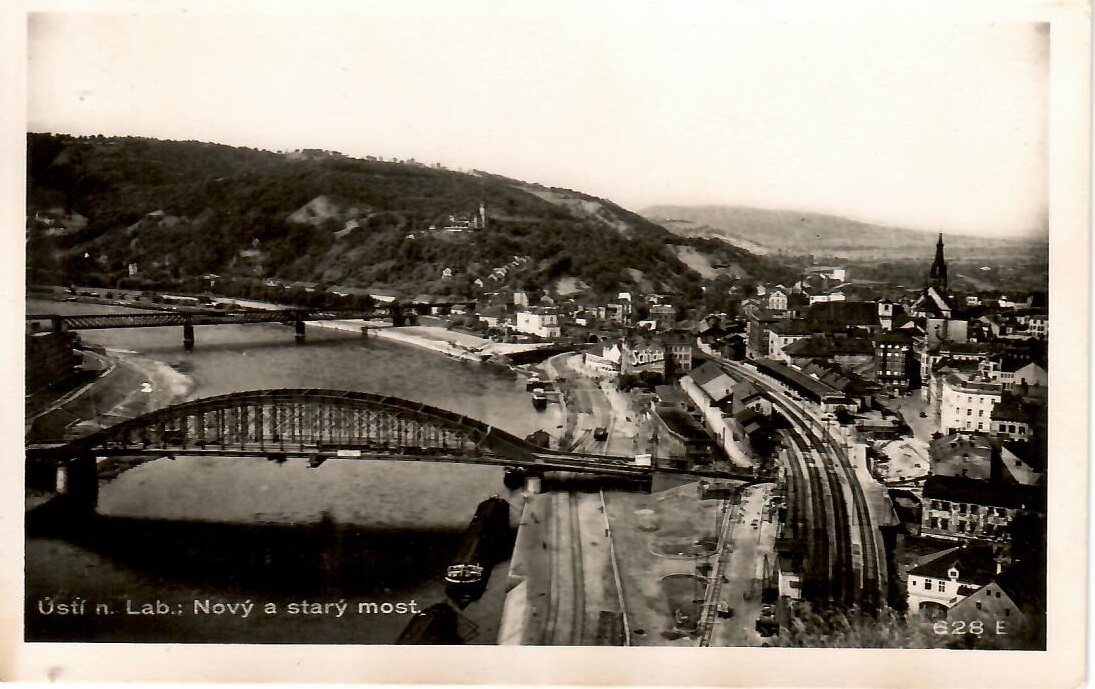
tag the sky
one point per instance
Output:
(936, 126)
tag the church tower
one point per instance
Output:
(937, 278)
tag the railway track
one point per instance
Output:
(565, 624)
(821, 469)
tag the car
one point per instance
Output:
(923, 414)
(600, 433)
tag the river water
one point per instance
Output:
(237, 530)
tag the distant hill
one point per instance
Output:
(770, 231)
(130, 211)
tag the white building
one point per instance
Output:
(607, 363)
(966, 404)
(540, 322)
(1038, 326)
(777, 300)
(942, 580)
(782, 334)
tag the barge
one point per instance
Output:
(482, 546)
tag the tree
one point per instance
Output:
(819, 628)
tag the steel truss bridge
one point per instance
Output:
(321, 424)
(159, 319)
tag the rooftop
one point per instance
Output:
(975, 563)
(706, 373)
(989, 493)
(962, 384)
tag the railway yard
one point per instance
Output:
(682, 566)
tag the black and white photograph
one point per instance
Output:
(602, 325)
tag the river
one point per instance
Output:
(248, 530)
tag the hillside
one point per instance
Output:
(136, 211)
(770, 231)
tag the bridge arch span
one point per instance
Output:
(293, 420)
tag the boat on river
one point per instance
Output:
(481, 548)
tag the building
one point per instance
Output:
(1027, 375)
(992, 607)
(834, 273)
(758, 331)
(940, 581)
(51, 359)
(680, 348)
(540, 322)
(664, 315)
(1038, 326)
(935, 361)
(494, 317)
(640, 354)
(782, 334)
(713, 381)
(616, 312)
(980, 457)
(886, 312)
(843, 317)
(960, 508)
(855, 354)
(966, 403)
(1013, 596)
(933, 303)
(748, 396)
(777, 300)
(606, 362)
(895, 365)
(937, 274)
(1015, 418)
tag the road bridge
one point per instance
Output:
(319, 425)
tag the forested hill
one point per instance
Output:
(133, 211)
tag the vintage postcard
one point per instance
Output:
(572, 343)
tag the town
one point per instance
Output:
(929, 404)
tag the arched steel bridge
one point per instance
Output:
(328, 423)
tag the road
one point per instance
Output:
(593, 404)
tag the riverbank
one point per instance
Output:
(453, 344)
(130, 385)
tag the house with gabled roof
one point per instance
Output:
(714, 382)
(941, 580)
(748, 396)
(1008, 601)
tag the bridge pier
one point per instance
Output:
(78, 482)
(188, 337)
(300, 332)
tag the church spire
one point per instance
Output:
(937, 277)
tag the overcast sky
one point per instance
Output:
(932, 126)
